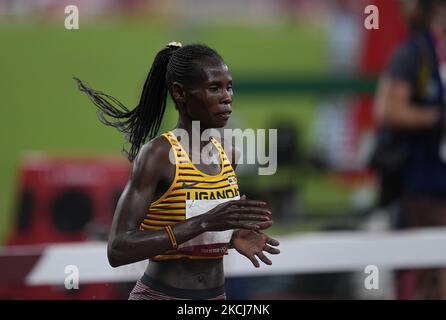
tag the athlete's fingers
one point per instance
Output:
(248, 217)
(254, 261)
(253, 220)
(244, 225)
(245, 202)
(265, 225)
(272, 241)
(264, 258)
(271, 250)
(227, 203)
(246, 210)
(249, 209)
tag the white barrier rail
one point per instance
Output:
(308, 253)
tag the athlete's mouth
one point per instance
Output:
(224, 114)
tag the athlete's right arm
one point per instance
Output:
(128, 244)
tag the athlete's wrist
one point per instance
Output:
(231, 242)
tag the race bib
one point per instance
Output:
(212, 243)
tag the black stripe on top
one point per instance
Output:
(161, 207)
(161, 220)
(207, 188)
(165, 213)
(190, 175)
(200, 181)
(176, 195)
(168, 201)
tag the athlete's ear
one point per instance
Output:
(179, 94)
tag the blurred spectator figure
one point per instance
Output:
(410, 114)
(334, 134)
(344, 28)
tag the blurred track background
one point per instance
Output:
(300, 66)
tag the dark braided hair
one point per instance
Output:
(172, 64)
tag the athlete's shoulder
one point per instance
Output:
(153, 155)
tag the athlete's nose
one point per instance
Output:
(227, 96)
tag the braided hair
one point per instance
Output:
(174, 63)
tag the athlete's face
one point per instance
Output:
(209, 100)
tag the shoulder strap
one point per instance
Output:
(180, 155)
(223, 156)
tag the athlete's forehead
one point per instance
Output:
(216, 71)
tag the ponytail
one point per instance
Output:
(142, 122)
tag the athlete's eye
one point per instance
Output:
(213, 88)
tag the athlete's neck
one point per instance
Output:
(191, 130)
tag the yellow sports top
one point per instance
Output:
(191, 193)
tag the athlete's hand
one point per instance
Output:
(252, 243)
(237, 214)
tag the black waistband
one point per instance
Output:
(182, 293)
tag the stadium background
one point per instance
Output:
(308, 68)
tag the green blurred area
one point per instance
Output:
(43, 110)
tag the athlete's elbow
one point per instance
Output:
(116, 257)
(113, 258)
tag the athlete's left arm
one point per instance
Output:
(251, 243)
